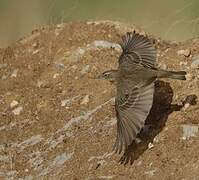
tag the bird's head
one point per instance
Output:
(109, 75)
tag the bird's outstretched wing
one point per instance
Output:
(131, 111)
(137, 49)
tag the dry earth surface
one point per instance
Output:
(57, 122)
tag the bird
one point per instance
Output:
(134, 80)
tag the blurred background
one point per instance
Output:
(176, 20)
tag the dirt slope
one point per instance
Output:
(56, 122)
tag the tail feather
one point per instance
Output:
(180, 75)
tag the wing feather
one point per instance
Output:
(131, 115)
(137, 49)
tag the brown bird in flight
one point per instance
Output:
(134, 80)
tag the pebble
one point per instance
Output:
(151, 172)
(150, 145)
(162, 66)
(17, 110)
(36, 51)
(139, 163)
(14, 103)
(3, 65)
(35, 45)
(76, 55)
(186, 106)
(62, 25)
(185, 52)
(104, 44)
(183, 63)
(74, 67)
(111, 122)
(85, 69)
(195, 62)
(40, 83)
(65, 102)
(85, 100)
(29, 177)
(59, 65)
(3, 77)
(189, 77)
(156, 139)
(14, 73)
(57, 32)
(80, 51)
(189, 131)
(138, 140)
(55, 75)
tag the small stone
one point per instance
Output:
(189, 77)
(14, 73)
(80, 51)
(59, 65)
(150, 145)
(189, 131)
(77, 54)
(104, 44)
(29, 177)
(109, 35)
(62, 25)
(17, 110)
(166, 50)
(42, 105)
(55, 75)
(13, 103)
(85, 100)
(195, 62)
(3, 77)
(162, 66)
(85, 69)
(111, 122)
(185, 52)
(182, 63)
(36, 51)
(138, 140)
(139, 163)
(151, 172)
(40, 83)
(65, 102)
(35, 45)
(67, 54)
(156, 139)
(113, 102)
(186, 106)
(3, 65)
(74, 67)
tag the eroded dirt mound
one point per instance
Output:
(57, 122)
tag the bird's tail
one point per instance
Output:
(180, 75)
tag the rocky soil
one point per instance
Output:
(57, 122)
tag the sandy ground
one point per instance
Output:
(56, 122)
